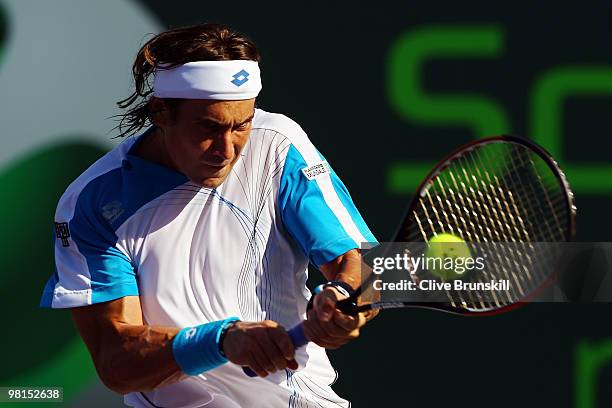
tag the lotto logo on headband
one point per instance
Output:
(240, 78)
(221, 80)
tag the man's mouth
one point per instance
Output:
(216, 166)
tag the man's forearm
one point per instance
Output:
(137, 358)
(347, 268)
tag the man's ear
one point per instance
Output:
(159, 112)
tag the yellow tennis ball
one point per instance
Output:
(447, 256)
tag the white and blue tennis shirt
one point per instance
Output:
(127, 226)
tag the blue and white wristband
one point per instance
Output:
(197, 349)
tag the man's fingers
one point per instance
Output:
(325, 304)
(349, 323)
(325, 309)
(328, 330)
(292, 364)
(283, 342)
(339, 325)
(320, 335)
(362, 319)
(262, 359)
(266, 347)
(337, 330)
(257, 369)
(273, 350)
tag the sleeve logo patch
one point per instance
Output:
(317, 170)
(62, 232)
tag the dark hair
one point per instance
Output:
(203, 42)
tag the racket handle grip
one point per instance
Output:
(298, 338)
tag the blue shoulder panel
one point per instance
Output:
(103, 205)
(309, 219)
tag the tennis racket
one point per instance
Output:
(502, 189)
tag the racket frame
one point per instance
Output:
(350, 305)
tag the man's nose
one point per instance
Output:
(224, 146)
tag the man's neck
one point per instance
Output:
(152, 148)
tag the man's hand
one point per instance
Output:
(329, 327)
(263, 346)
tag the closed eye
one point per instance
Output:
(243, 126)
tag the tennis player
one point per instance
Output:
(183, 252)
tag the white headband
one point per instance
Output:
(222, 80)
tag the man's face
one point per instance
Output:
(204, 138)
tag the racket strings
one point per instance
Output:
(516, 233)
(489, 216)
(496, 193)
(528, 268)
(509, 234)
(477, 235)
(553, 211)
(454, 209)
(461, 296)
(486, 234)
(551, 205)
(484, 209)
(463, 230)
(497, 226)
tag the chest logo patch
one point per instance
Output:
(112, 211)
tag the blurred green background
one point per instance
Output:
(384, 89)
